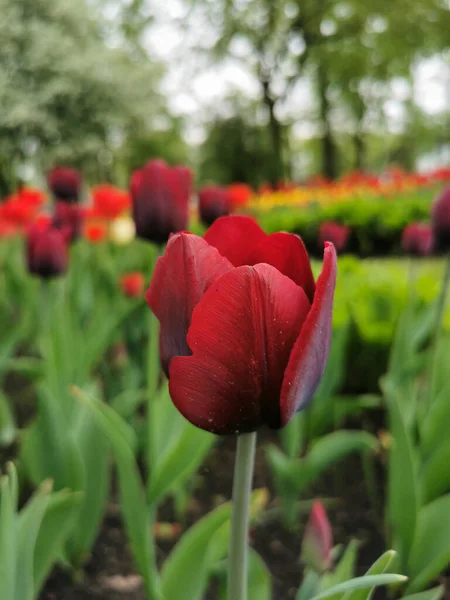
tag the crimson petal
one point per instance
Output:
(310, 353)
(235, 237)
(241, 335)
(187, 268)
(287, 253)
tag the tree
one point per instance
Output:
(66, 94)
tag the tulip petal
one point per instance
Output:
(181, 277)
(241, 335)
(310, 353)
(287, 253)
(235, 237)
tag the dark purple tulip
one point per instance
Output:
(440, 220)
(213, 202)
(65, 183)
(417, 239)
(160, 198)
(47, 254)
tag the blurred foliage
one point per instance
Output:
(376, 223)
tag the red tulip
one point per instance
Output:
(240, 194)
(65, 183)
(214, 202)
(334, 232)
(317, 540)
(69, 219)
(110, 201)
(245, 331)
(417, 239)
(17, 212)
(132, 284)
(47, 254)
(440, 219)
(160, 197)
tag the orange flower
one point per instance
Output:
(95, 231)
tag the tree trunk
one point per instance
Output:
(276, 173)
(329, 167)
(360, 150)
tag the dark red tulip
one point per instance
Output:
(65, 183)
(69, 219)
(245, 331)
(440, 219)
(160, 197)
(47, 254)
(334, 232)
(417, 239)
(213, 202)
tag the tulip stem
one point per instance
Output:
(153, 371)
(242, 487)
(442, 300)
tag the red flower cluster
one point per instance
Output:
(334, 232)
(65, 183)
(417, 239)
(160, 197)
(20, 210)
(132, 284)
(245, 331)
(109, 201)
(240, 194)
(213, 202)
(47, 253)
(440, 219)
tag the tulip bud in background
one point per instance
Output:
(47, 254)
(160, 198)
(440, 219)
(122, 231)
(132, 284)
(334, 232)
(68, 218)
(65, 183)
(213, 202)
(317, 540)
(417, 239)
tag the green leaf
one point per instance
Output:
(8, 533)
(7, 424)
(364, 582)
(430, 552)
(433, 594)
(291, 436)
(29, 522)
(434, 429)
(31, 368)
(259, 579)
(436, 474)
(309, 586)
(403, 488)
(344, 569)
(379, 566)
(183, 460)
(56, 525)
(188, 562)
(94, 451)
(132, 494)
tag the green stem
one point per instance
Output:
(153, 371)
(242, 487)
(442, 300)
